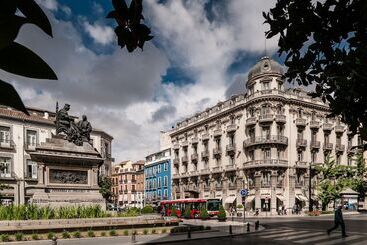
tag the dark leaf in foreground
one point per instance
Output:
(20, 60)
(10, 27)
(10, 97)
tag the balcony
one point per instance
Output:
(176, 176)
(217, 152)
(194, 140)
(217, 169)
(176, 161)
(205, 154)
(218, 187)
(184, 143)
(250, 121)
(328, 127)
(205, 171)
(328, 146)
(301, 164)
(194, 157)
(232, 186)
(205, 136)
(176, 146)
(314, 124)
(266, 163)
(315, 144)
(231, 149)
(194, 173)
(266, 118)
(339, 129)
(301, 122)
(271, 139)
(231, 128)
(185, 174)
(7, 144)
(230, 167)
(206, 188)
(339, 147)
(184, 159)
(30, 147)
(217, 133)
(280, 118)
(301, 143)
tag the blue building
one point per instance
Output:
(157, 171)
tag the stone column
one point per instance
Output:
(291, 189)
(40, 174)
(257, 190)
(306, 178)
(21, 191)
(16, 193)
(273, 196)
(95, 177)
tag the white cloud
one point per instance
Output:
(101, 34)
(49, 4)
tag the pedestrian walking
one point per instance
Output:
(338, 220)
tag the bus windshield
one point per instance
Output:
(213, 205)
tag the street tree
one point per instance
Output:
(105, 188)
(325, 44)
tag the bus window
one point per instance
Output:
(213, 205)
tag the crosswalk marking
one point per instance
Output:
(300, 236)
(317, 238)
(268, 232)
(284, 234)
(340, 240)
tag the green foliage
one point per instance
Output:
(35, 236)
(222, 213)
(77, 234)
(154, 231)
(66, 235)
(173, 212)
(126, 232)
(145, 231)
(50, 235)
(129, 213)
(164, 231)
(103, 233)
(324, 43)
(147, 209)
(19, 236)
(187, 213)
(4, 237)
(105, 185)
(90, 233)
(204, 214)
(240, 206)
(113, 233)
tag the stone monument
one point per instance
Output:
(68, 165)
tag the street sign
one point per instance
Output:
(244, 192)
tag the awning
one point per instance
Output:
(265, 196)
(230, 199)
(250, 198)
(280, 197)
(301, 198)
(349, 191)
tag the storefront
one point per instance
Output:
(349, 199)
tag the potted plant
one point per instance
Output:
(204, 214)
(222, 216)
(187, 213)
(240, 210)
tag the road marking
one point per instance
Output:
(363, 242)
(317, 238)
(340, 240)
(272, 232)
(284, 234)
(300, 236)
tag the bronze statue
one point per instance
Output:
(74, 132)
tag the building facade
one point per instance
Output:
(128, 184)
(21, 134)
(157, 172)
(263, 140)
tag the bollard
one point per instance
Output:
(189, 232)
(133, 237)
(257, 223)
(54, 240)
(248, 226)
(230, 229)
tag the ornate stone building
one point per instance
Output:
(19, 136)
(263, 140)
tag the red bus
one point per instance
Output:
(195, 204)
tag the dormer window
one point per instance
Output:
(266, 85)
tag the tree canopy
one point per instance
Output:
(325, 44)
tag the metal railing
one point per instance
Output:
(270, 139)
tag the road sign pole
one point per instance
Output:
(244, 211)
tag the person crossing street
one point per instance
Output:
(338, 220)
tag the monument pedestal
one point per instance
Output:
(67, 174)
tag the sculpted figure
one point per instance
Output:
(63, 120)
(85, 128)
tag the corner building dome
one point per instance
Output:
(264, 66)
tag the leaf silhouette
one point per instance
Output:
(10, 97)
(20, 60)
(35, 15)
(8, 7)
(10, 27)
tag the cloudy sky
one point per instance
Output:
(201, 53)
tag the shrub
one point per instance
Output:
(4, 238)
(164, 231)
(204, 214)
(19, 236)
(240, 206)
(50, 235)
(145, 231)
(35, 236)
(103, 233)
(126, 232)
(77, 234)
(154, 231)
(187, 214)
(147, 210)
(222, 214)
(113, 233)
(65, 235)
(173, 212)
(91, 233)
